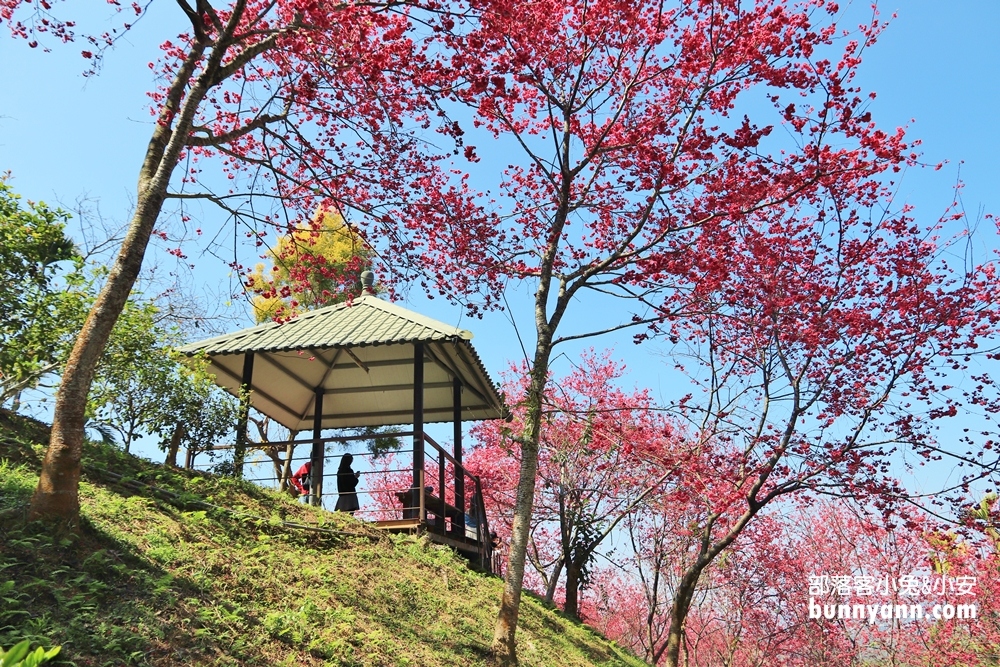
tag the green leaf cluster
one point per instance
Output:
(21, 655)
(41, 292)
(204, 413)
(135, 374)
(141, 387)
(144, 387)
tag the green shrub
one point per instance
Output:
(22, 655)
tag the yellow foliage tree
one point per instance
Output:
(316, 264)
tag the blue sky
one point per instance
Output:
(65, 137)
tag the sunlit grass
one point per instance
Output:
(174, 577)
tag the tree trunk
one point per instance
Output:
(572, 606)
(56, 497)
(550, 590)
(282, 466)
(272, 453)
(175, 445)
(286, 469)
(689, 582)
(671, 651)
(504, 650)
(504, 646)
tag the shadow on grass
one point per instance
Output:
(101, 601)
(96, 594)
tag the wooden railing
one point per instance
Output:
(451, 481)
(456, 513)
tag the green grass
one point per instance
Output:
(157, 577)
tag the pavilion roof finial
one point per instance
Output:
(367, 282)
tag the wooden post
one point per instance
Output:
(240, 450)
(441, 511)
(483, 530)
(456, 399)
(418, 427)
(422, 511)
(318, 451)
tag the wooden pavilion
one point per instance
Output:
(371, 363)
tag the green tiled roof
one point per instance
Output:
(367, 321)
(362, 358)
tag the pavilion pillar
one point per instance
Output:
(318, 455)
(418, 424)
(456, 400)
(240, 450)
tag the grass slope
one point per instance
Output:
(180, 568)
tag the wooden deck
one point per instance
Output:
(481, 555)
(398, 525)
(427, 514)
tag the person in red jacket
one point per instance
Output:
(302, 479)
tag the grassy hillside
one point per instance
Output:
(181, 568)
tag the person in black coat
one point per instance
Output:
(347, 484)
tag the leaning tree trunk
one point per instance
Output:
(550, 590)
(56, 497)
(684, 595)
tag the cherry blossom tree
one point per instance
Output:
(753, 606)
(603, 452)
(685, 155)
(821, 356)
(300, 104)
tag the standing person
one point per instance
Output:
(302, 480)
(347, 483)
